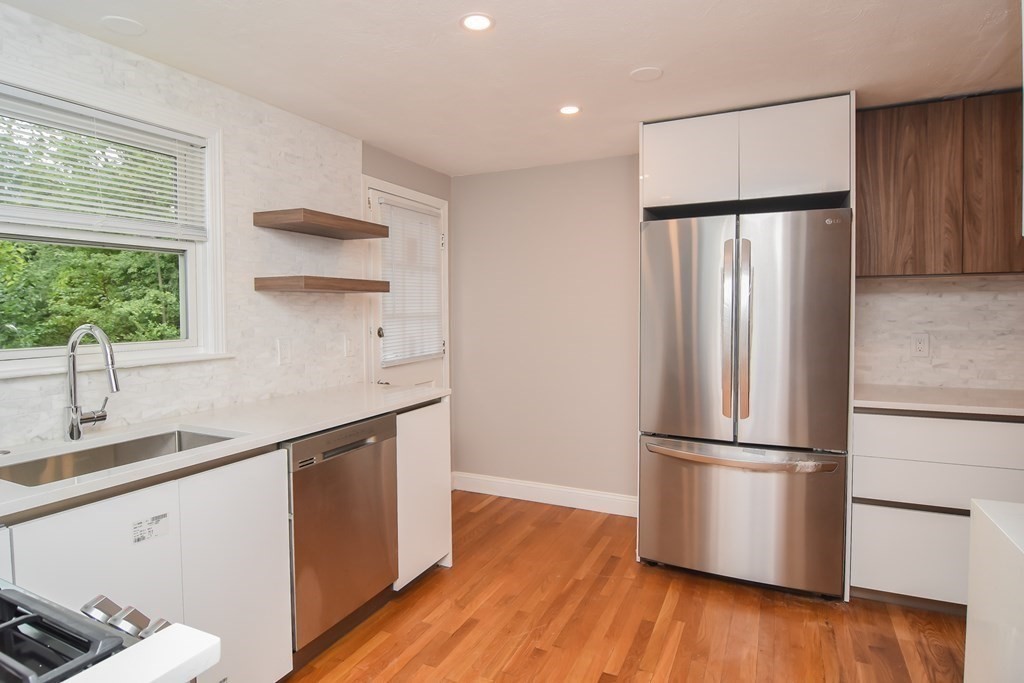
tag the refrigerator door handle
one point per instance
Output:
(789, 466)
(727, 325)
(746, 325)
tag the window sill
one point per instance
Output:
(91, 363)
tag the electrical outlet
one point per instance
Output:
(919, 345)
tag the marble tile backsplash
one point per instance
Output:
(271, 160)
(975, 327)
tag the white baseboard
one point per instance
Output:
(566, 496)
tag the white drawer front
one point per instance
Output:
(931, 483)
(967, 442)
(909, 552)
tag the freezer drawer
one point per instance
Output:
(773, 517)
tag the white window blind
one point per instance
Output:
(411, 313)
(65, 165)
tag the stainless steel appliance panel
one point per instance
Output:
(773, 517)
(794, 329)
(345, 523)
(686, 316)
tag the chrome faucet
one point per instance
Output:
(76, 416)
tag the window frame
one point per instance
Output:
(203, 263)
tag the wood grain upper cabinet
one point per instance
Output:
(691, 161)
(992, 184)
(910, 189)
(795, 149)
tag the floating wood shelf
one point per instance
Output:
(316, 283)
(318, 223)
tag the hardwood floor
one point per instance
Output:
(544, 593)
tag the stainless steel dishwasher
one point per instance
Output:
(344, 522)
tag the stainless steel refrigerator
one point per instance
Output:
(744, 396)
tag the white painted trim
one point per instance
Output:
(552, 494)
(853, 322)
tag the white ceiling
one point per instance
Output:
(402, 75)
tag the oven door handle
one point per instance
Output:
(790, 466)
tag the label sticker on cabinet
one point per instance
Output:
(148, 528)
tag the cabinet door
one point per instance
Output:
(910, 189)
(424, 491)
(127, 548)
(992, 184)
(910, 552)
(691, 161)
(235, 566)
(793, 149)
(6, 559)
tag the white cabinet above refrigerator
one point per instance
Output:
(691, 161)
(786, 150)
(795, 149)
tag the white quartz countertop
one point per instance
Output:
(250, 426)
(981, 402)
(994, 648)
(174, 655)
(1008, 518)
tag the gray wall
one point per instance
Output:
(545, 289)
(386, 166)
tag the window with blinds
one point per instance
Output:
(65, 165)
(103, 220)
(411, 313)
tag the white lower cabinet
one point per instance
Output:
(127, 548)
(937, 465)
(934, 483)
(6, 559)
(235, 566)
(424, 491)
(210, 550)
(910, 552)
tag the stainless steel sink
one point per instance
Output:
(89, 460)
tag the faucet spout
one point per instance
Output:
(76, 416)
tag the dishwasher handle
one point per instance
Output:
(314, 449)
(312, 459)
(348, 448)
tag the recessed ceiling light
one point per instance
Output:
(122, 25)
(570, 109)
(646, 73)
(477, 22)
